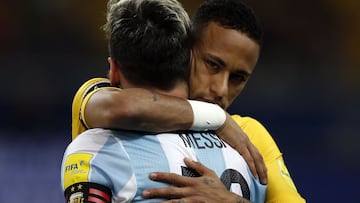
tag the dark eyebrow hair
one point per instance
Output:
(217, 59)
(242, 72)
(222, 63)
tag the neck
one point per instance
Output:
(180, 90)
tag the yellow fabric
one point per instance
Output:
(77, 168)
(80, 99)
(82, 109)
(281, 188)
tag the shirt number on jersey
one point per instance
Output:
(228, 177)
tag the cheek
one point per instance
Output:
(199, 78)
(234, 92)
(196, 86)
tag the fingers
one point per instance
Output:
(197, 166)
(260, 165)
(206, 188)
(170, 178)
(236, 137)
(250, 161)
(256, 163)
(178, 201)
(178, 180)
(166, 192)
(182, 186)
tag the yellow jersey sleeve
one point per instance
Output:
(281, 188)
(81, 97)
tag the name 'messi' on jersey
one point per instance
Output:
(201, 140)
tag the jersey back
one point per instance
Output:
(123, 160)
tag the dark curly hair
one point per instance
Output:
(232, 14)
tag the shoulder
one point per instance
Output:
(96, 147)
(86, 90)
(90, 140)
(90, 86)
(93, 157)
(250, 125)
(259, 136)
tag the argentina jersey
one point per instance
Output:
(121, 161)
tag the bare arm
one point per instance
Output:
(143, 110)
(137, 109)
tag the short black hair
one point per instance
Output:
(231, 14)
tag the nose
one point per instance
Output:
(219, 86)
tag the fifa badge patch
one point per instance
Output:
(77, 167)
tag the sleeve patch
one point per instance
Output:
(77, 168)
(285, 173)
(87, 192)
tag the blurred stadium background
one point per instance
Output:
(305, 90)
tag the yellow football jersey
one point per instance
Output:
(80, 99)
(281, 188)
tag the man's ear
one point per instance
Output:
(114, 72)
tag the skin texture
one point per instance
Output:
(220, 71)
(134, 109)
(222, 66)
(131, 109)
(209, 187)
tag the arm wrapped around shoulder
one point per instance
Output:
(207, 116)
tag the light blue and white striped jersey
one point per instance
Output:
(123, 160)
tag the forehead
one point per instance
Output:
(233, 47)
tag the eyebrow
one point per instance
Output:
(222, 63)
(242, 72)
(217, 59)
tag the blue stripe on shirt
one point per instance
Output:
(146, 156)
